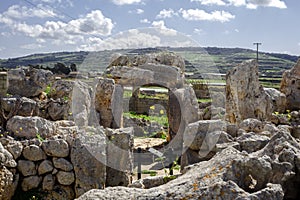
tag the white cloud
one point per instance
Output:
(211, 2)
(237, 3)
(267, 3)
(137, 11)
(237, 30)
(131, 39)
(201, 15)
(166, 14)
(160, 25)
(250, 4)
(21, 12)
(93, 23)
(198, 31)
(124, 2)
(145, 21)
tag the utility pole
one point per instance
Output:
(257, 44)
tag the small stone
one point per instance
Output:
(65, 178)
(30, 182)
(15, 148)
(6, 158)
(26, 167)
(48, 182)
(56, 148)
(45, 167)
(63, 164)
(34, 153)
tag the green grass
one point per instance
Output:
(162, 120)
(151, 172)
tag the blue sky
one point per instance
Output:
(35, 26)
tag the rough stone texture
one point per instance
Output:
(6, 159)
(63, 164)
(65, 178)
(7, 184)
(148, 74)
(48, 182)
(165, 58)
(26, 167)
(30, 182)
(3, 83)
(88, 156)
(45, 167)
(252, 142)
(108, 98)
(165, 69)
(59, 109)
(245, 97)
(290, 87)
(200, 139)
(251, 125)
(221, 177)
(81, 103)
(61, 89)
(30, 127)
(20, 106)
(56, 148)
(119, 156)
(278, 99)
(197, 133)
(183, 109)
(34, 153)
(15, 148)
(19, 84)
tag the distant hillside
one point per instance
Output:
(198, 60)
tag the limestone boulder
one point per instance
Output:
(45, 167)
(61, 89)
(6, 159)
(108, 96)
(81, 104)
(20, 106)
(34, 153)
(245, 96)
(278, 99)
(251, 142)
(30, 127)
(213, 179)
(251, 125)
(27, 168)
(88, 157)
(21, 85)
(56, 148)
(65, 178)
(48, 182)
(14, 147)
(30, 182)
(8, 183)
(119, 152)
(63, 164)
(290, 87)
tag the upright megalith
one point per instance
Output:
(3, 83)
(290, 86)
(108, 98)
(245, 96)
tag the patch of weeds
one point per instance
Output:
(151, 172)
(162, 120)
(39, 137)
(48, 89)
